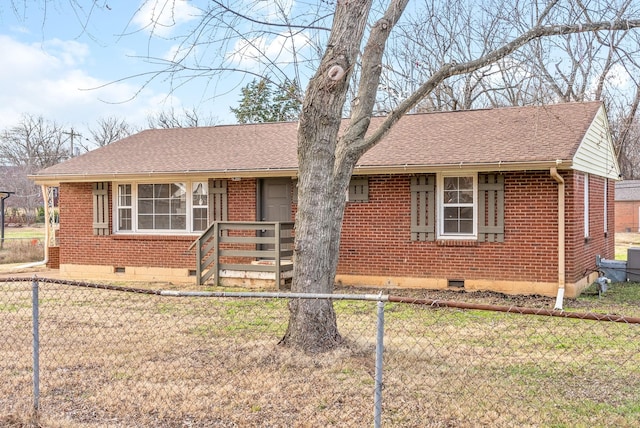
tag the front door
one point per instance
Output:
(274, 203)
(275, 199)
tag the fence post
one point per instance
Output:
(36, 345)
(377, 401)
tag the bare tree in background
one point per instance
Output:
(32, 144)
(187, 119)
(583, 66)
(27, 198)
(626, 133)
(108, 130)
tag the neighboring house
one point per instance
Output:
(628, 206)
(516, 200)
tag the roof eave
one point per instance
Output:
(56, 179)
(464, 166)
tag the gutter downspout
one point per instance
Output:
(45, 196)
(561, 236)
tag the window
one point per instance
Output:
(124, 207)
(457, 211)
(586, 205)
(180, 207)
(162, 206)
(200, 206)
(467, 206)
(606, 206)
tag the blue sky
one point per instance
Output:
(50, 66)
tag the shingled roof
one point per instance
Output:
(507, 137)
(628, 190)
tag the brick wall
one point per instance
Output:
(627, 216)
(376, 237)
(78, 244)
(581, 251)
(54, 258)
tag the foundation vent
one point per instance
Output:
(457, 283)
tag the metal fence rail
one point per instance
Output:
(115, 356)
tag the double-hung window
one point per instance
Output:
(457, 206)
(162, 207)
(200, 206)
(125, 208)
(464, 206)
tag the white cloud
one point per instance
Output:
(54, 84)
(70, 52)
(617, 80)
(274, 10)
(162, 16)
(249, 54)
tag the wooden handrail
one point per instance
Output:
(208, 265)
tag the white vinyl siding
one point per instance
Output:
(595, 154)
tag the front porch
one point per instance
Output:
(245, 253)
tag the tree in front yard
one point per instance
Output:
(344, 44)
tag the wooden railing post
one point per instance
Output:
(216, 248)
(199, 261)
(276, 248)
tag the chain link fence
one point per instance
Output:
(106, 355)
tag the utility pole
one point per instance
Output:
(72, 134)
(3, 195)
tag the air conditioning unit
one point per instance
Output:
(633, 264)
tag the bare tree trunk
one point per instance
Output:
(326, 158)
(321, 203)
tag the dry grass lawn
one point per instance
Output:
(110, 358)
(624, 241)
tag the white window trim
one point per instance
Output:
(440, 206)
(586, 205)
(134, 209)
(606, 206)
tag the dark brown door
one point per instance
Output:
(275, 199)
(274, 203)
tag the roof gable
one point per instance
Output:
(595, 154)
(505, 138)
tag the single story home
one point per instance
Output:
(515, 200)
(627, 202)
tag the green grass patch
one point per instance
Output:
(618, 293)
(24, 233)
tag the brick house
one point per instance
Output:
(516, 200)
(627, 202)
